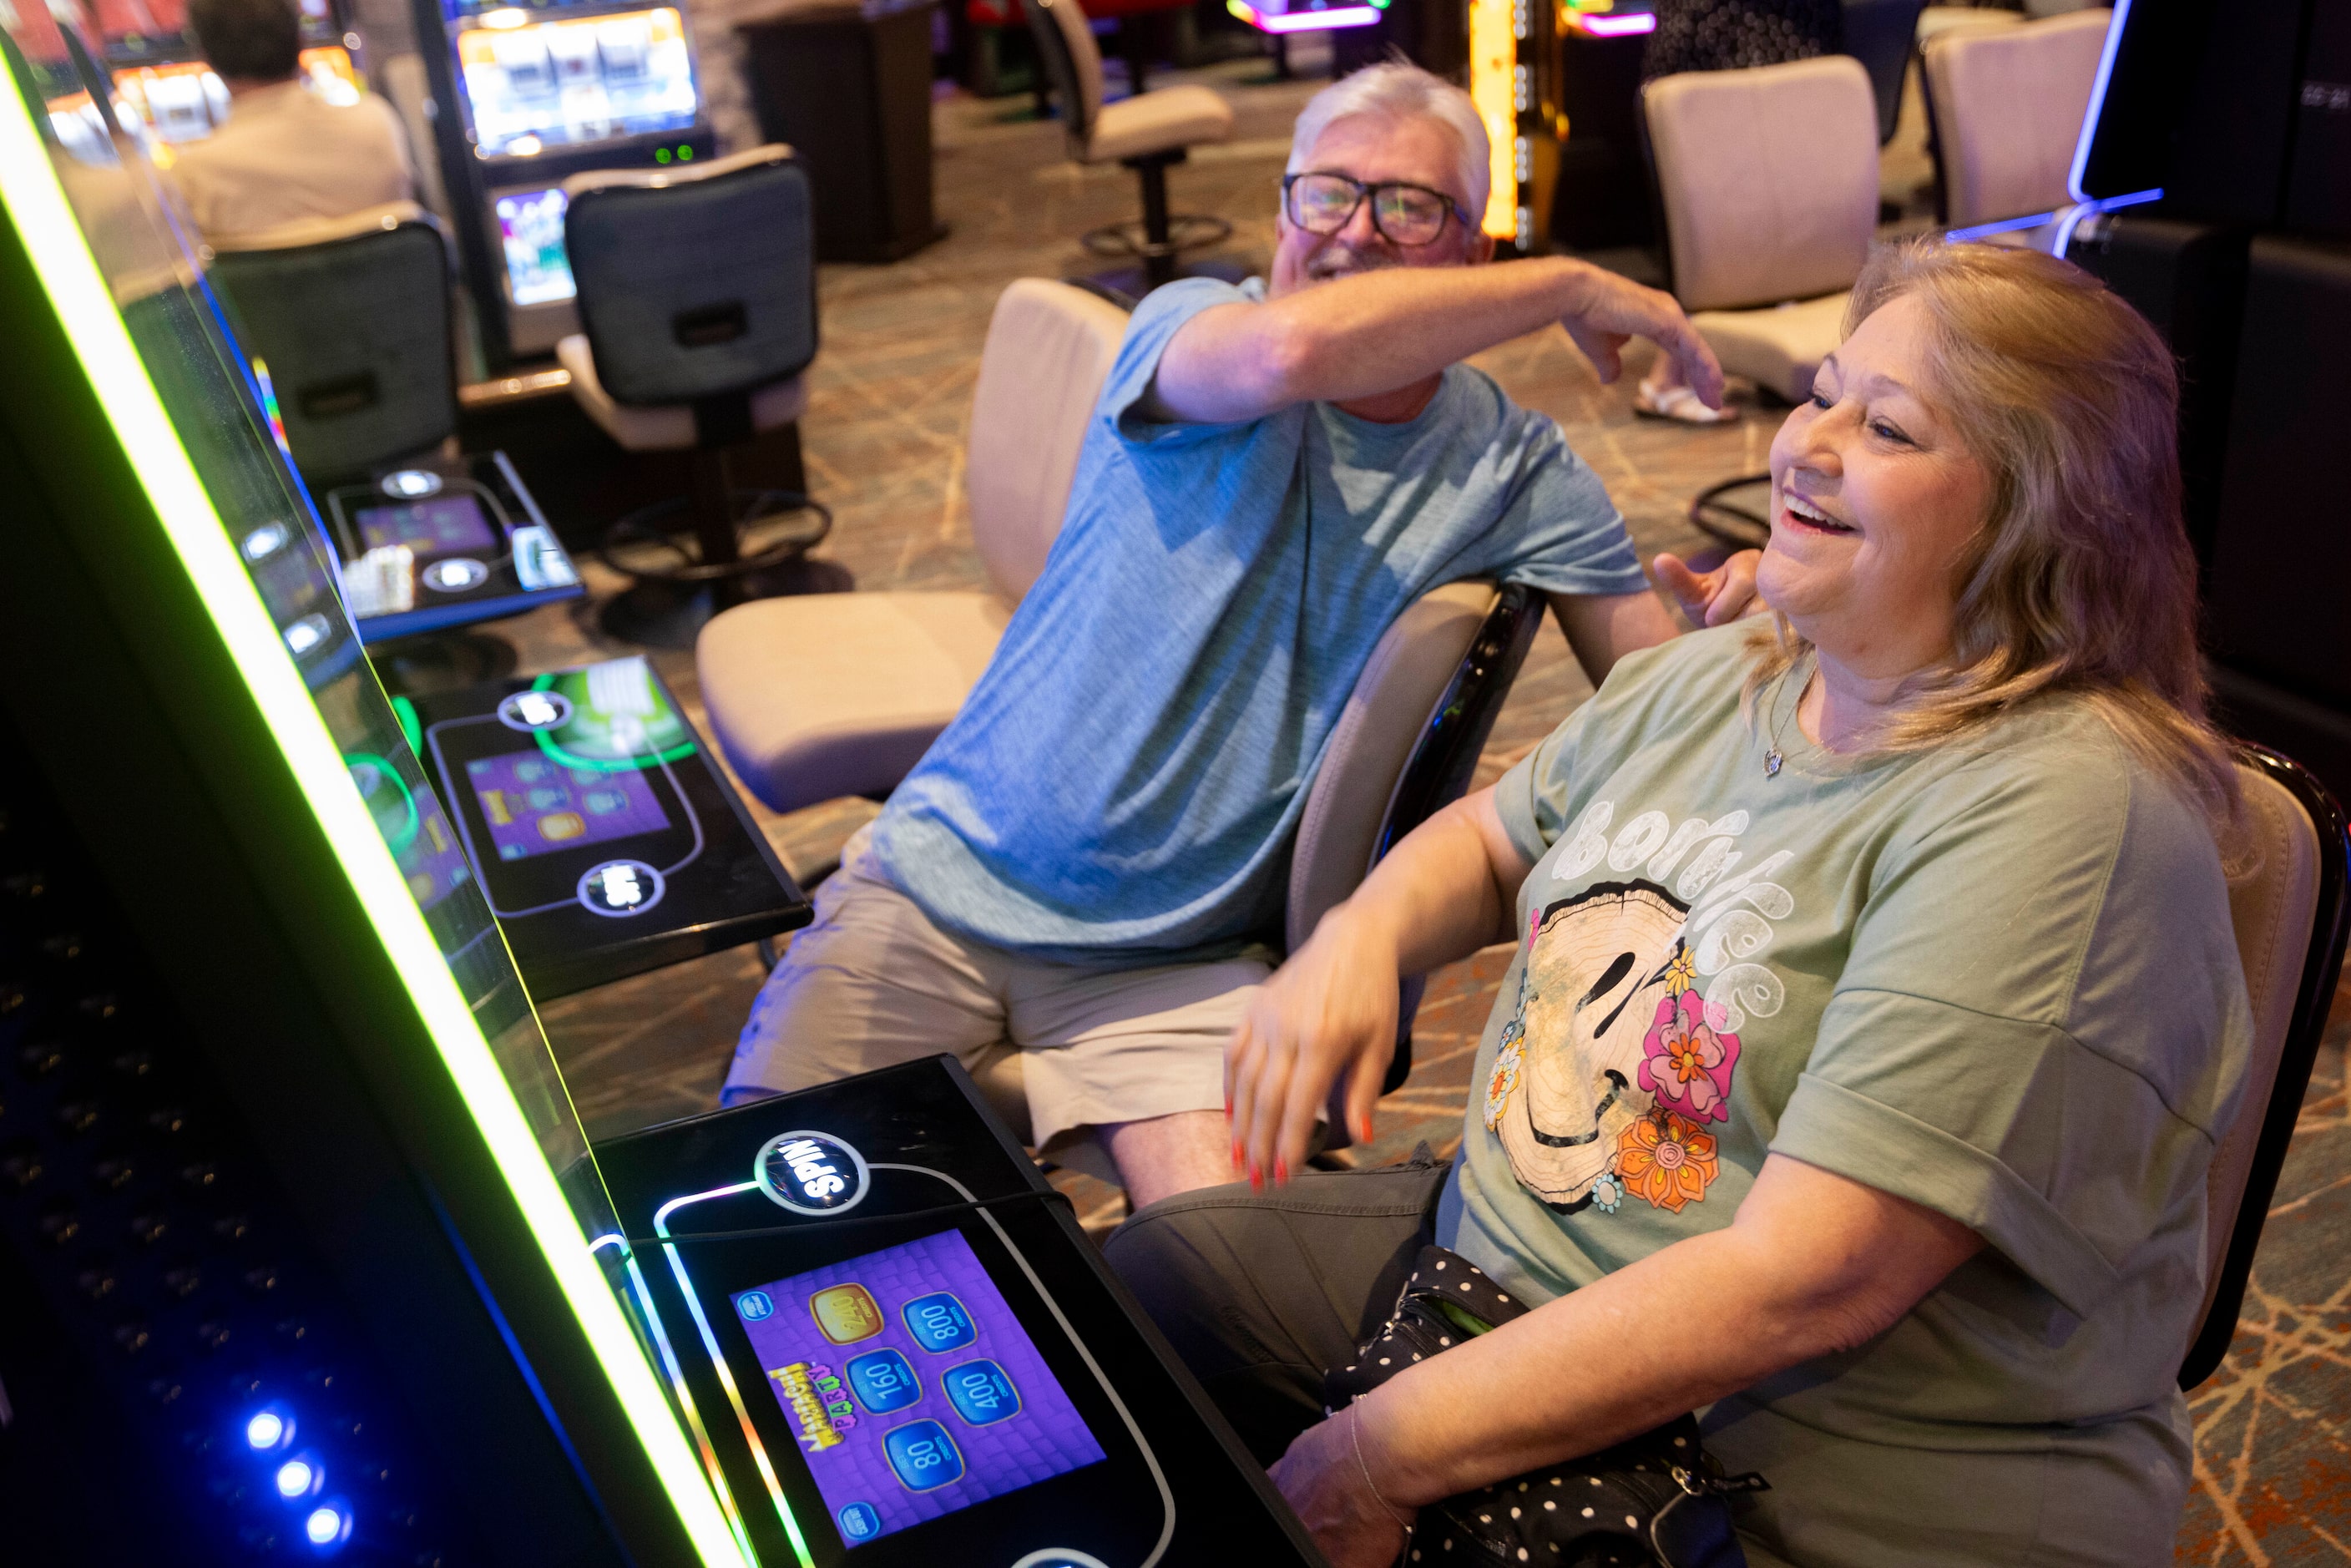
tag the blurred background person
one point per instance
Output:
(285, 153)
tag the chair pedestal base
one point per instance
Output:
(678, 585)
(1155, 242)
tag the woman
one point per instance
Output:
(1874, 1012)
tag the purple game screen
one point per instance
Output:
(535, 804)
(914, 1390)
(442, 525)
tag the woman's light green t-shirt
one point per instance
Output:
(1996, 979)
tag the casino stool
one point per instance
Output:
(2007, 105)
(2286, 873)
(1146, 133)
(1405, 745)
(815, 698)
(697, 298)
(1768, 181)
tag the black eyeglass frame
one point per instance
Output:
(1454, 211)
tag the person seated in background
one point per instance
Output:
(1086, 862)
(285, 153)
(1876, 1013)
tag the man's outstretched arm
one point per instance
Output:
(1362, 336)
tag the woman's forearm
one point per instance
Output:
(1440, 894)
(1821, 1264)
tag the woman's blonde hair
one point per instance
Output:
(2081, 580)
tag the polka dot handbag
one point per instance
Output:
(1657, 1501)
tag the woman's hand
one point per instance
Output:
(1323, 1478)
(1711, 598)
(1332, 1009)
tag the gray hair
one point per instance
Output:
(1396, 90)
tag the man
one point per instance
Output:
(1083, 864)
(285, 153)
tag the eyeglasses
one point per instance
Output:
(1402, 214)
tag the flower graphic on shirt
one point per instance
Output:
(1504, 1081)
(1681, 972)
(1607, 1192)
(1665, 1158)
(1687, 1062)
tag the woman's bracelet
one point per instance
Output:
(1355, 1441)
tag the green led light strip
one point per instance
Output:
(52, 236)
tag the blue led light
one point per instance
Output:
(328, 1524)
(297, 1477)
(266, 1429)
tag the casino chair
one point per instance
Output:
(2286, 872)
(1766, 180)
(1146, 132)
(818, 698)
(697, 298)
(351, 317)
(2006, 105)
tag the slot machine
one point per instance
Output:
(157, 70)
(542, 92)
(305, 1256)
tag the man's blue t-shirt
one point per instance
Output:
(1123, 785)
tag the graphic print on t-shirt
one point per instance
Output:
(1617, 1062)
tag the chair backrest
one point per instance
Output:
(2007, 105)
(2286, 876)
(352, 318)
(698, 283)
(1050, 347)
(1408, 739)
(1768, 179)
(1065, 42)
(1882, 34)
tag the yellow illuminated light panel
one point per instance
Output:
(1493, 56)
(37, 207)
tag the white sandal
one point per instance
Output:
(1679, 404)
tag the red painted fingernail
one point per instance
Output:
(1256, 1178)
(1237, 1153)
(1367, 1129)
(1280, 1170)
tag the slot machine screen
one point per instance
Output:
(913, 1388)
(184, 102)
(535, 85)
(530, 234)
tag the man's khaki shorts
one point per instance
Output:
(872, 982)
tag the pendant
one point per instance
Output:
(1771, 760)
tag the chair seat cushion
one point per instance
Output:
(1779, 347)
(668, 427)
(840, 694)
(1158, 122)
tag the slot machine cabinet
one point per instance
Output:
(530, 96)
(295, 1221)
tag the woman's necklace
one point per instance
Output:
(1774, 758)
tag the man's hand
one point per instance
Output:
(1711, 598)
(1611, 309)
